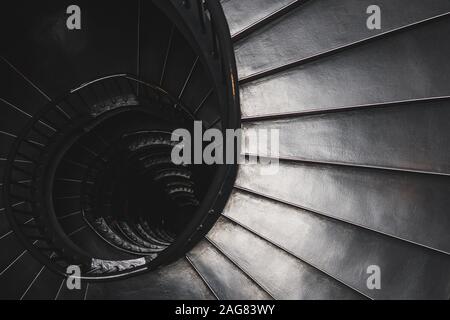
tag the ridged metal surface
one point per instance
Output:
(177, 281)
(410, 206)
(409, 137)
(241, 14)
(364, 177)
(401, 67)
(230, 282)
(346, 250)
(283, 275)
(322, 25)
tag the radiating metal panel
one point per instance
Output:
(11, 249)
(15, 280)
(64, 293)
(413, 137)
(177, 281)
(4, 224)
(225, 278)
(18, 97)
(323, 25)
(406, 66)
(346, 251)
(284, 276)
(410, 206)
(44, 287)
(353, 215)
(241, 14)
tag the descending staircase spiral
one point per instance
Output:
(364, 166)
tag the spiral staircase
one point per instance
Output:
(364, 165)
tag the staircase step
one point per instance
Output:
(11, 249)
(15, 281)
(19, 97)
(230, 283)
(242, 14)
(45, 286)
(345, 250)
(5, 229)
(377, 72)
(412, 207)
(174, 282)
(282, 274)
(65, 293)
(408, 137)
(318, 26)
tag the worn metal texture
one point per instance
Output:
(241, 14)
(224, 278)
(177, 281)
(319, 26)
(409, 206)
(345, 250)
(364, 175)
(283, 275)
(409, 137)
(408, 65)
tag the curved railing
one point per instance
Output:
(204, 25)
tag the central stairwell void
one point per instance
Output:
(86, 119)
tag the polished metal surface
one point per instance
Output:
(345, 251)
(17, 277)
(228, 283)
(410, 137)
(283, 275)
(241, 14)
(177, 281)
(322, 25)
(364, 174)
(400, 67)
(412, 207)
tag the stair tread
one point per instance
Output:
(346, 251)
(412, 207)
(285, 276)
(411, 137)
(377, 72)
(11, 249)
(176, 281)
(15, 281)
(319, 26)
(5, 229)
(241, 14)
(228, 284)
(45, 286)
(75, 294)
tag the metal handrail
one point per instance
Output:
(203, 22)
